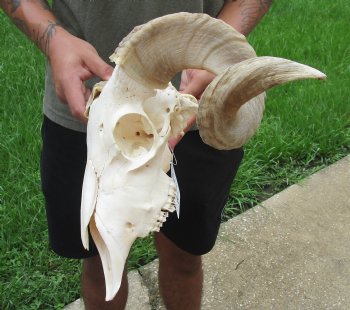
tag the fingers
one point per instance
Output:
(75, 94)
(73, 61)
(190, 123)
(71, 88)
(98, 67)
(174, 141)
(195, 89)
(194, 82)
(184, 80)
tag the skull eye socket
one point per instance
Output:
(134, 135)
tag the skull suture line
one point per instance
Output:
(126, 192)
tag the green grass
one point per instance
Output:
(306, 127)
(306, 123)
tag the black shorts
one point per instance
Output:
(204, 175)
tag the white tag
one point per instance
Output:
(173, 176)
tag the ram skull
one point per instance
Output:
(126, 191)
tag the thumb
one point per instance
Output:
(99, 68)
(197, 83)
(194, 88)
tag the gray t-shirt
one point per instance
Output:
(104, 23)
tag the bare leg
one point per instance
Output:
(180, 276)
(93, 286)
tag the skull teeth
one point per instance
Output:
(168, 207)
(162, 217)
(157, 226)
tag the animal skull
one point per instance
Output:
(126, 192)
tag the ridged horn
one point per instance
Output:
(154, 52)
(231, 107)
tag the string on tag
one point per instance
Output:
(173, 176)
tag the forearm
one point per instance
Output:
(35, 19)
(243, 15)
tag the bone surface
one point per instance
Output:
(126, 191)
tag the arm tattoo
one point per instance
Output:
(32, 29)
(44, 39)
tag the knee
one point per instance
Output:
(184, 266)
(174, 259)
(187, 266)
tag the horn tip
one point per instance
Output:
(322, 77)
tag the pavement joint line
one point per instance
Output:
(265, 221)
(144, 283)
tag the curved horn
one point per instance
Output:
(154, 52)
(232, 106)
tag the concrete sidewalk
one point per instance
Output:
(290, 252)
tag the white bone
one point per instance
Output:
(126, 192)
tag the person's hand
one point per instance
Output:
(173, 141)
(74, 61)
(193, 82)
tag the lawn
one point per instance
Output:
(305, 128)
